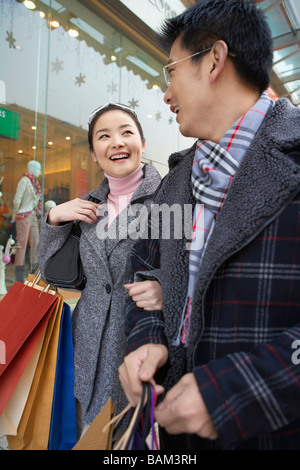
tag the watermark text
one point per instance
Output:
(162, 221)
(296, 354)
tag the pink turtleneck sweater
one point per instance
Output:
(121, 191)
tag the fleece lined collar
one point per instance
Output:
(280, 130)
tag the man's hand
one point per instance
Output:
(140, 366)
(183, 410)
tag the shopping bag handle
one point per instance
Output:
(35, 279)
(145, 405)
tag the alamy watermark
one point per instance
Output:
(296, 354)
(161, 221)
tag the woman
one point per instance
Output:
(117, 143)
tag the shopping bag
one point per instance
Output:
(24, 314)
(34, 428)
(141, 424)
(99, 434)
(63, 428)
(11, 416)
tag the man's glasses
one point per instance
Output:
(106, 105)
(166, 72)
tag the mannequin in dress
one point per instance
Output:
(27, 208)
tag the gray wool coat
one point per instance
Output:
(98, 319)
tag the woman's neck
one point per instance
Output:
(121, 191)
(126, 184)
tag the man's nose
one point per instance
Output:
(167, 96)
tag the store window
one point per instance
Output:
(59, 61)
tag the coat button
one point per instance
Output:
(108, 288)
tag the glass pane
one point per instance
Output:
(284, 18)
(24, 42)
(59, 62)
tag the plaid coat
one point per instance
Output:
(245, 322)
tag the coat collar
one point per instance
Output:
(148, 186)
(177, 157)
(121, 224)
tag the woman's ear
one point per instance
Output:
(219, 56)
(93, 155)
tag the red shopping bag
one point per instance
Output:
(24, 314)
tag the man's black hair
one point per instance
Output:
(237, 22)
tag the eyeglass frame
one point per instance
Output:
(168, 81)
(106, 105)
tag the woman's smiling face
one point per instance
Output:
(117, 144)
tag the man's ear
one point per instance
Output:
(219, 55)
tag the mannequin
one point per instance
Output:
(27, 209)
(48, 205)
(5, 258)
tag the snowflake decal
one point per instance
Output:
(134, 103)
(57, 66)
(10, 39)
(80, 80)
(112, 88)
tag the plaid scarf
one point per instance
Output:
(213, 170)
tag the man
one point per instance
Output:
(225, 345)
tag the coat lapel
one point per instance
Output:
(93, 232)
(126, 223)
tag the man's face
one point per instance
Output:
(189, 93)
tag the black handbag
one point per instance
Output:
(64, 268)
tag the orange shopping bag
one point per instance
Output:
(100, 433)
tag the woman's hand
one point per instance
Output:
(146, 294)
(73, 210)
